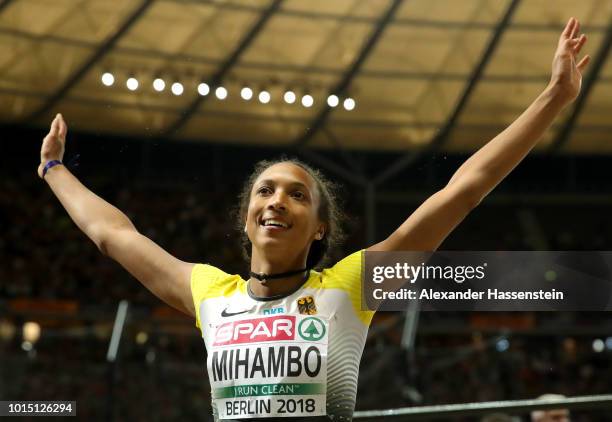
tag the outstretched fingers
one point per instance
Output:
(581, 41)
(583, 63)
(569, 29)
(575, 29)
(571, 41)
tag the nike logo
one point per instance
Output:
(224, 313)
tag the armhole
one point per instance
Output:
(347, 275)
(207, 281)
(204, 278)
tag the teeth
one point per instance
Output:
(275, 223)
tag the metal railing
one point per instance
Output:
(472, 409)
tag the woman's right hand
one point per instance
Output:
(53, 144)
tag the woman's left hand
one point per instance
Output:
(566, 76)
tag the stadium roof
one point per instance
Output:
(425, 74)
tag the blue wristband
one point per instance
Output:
(50, 164)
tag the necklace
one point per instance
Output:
(280, 295)
(264, 276)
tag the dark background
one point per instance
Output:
(179, 195)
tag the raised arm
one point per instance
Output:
(429, 225)
(112, 231)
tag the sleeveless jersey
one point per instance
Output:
(295, 356)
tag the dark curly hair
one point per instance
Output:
(329, 211)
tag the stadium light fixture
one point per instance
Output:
(307, 100)
(349, 104)
(221, 93)
(246, 93)
(289, 97)
(159, 84)
(264, 96)
(333, 100)
(203, 89)
(177, 88)
(108, 79)
(132, 83)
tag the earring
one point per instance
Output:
(245, 228)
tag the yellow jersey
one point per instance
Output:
(295, 356)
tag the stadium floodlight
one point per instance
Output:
(108, 79)
(349, 104)
(177, 88)
(289, 97)
(333, 100)
(159, 85)
(246, 93)
(132, 83)
(307, 100)
(203, 89)
(221, 93)
(264, 97)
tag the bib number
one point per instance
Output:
(274, 366)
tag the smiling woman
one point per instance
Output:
(287, 342)
(305, 191)
(289, 220)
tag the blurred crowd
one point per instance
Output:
(48, 257)
(45, 256)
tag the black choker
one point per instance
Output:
(264, 276)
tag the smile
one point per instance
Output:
(271, 222)
(271, 225)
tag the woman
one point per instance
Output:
(287, 342)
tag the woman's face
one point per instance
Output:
(283, 210)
